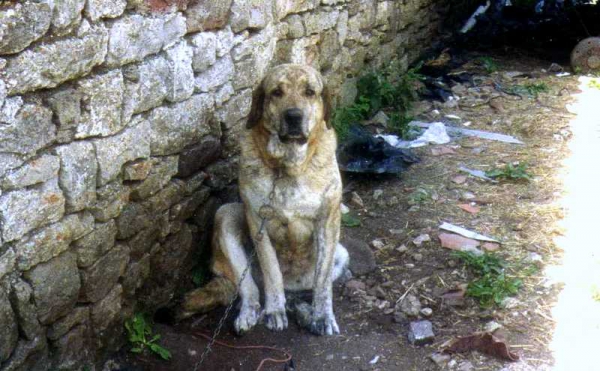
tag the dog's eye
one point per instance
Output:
(277, 93)
(309, 92)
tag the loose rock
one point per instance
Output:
(420, 332)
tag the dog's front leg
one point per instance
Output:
(327, 234)
(273, 316)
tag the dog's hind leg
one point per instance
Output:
(229, 263)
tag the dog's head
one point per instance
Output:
(290, 104)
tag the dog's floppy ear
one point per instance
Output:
(327, 106)
(256, 111)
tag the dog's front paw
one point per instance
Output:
(275, 320)
(247, 319)
(324, 325)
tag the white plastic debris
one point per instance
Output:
(374, 360)
(563, 74)
(477, 173)
(471, 133)
(470, 23)
(465, 232)
(435, 133)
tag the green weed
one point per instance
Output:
(532, 90)
(139, 334)
(488, 64)
(350, 220)
(381, 90)
(419, 196)
(491, 284)
(510, 172)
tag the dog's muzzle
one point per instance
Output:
(292, 127)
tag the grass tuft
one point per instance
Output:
(491, 285)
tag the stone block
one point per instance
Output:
(168, 261)
(136, 275)
(47, 65)
(175, 127)
(36, 171)
(66, 105)
(16, 209)
(29, 356)
(251, 70)
(73, 350)
(77, 177)
(180, 82)
(225, 41)
(296, 26)
(143, 241)
(162, 170)
(204, 49)
(198, 156)
(8, 260)
(218, 74)
(25, 128)
(22, 23)
(235, 109)
(52, 240)
(251, 45)
(133, 219)
(79, 315)
(22, 302)
(384, 12)
(107, 311)
(206, 15)
(133, 37)
(316, 22)
(111, 200)
(112, 152)
(165, 198)
(285, 7)
(137, 170)
(188, 206)
(55, 286)
(102, 98)
(101, 277)
(96, 9)
(9, 333)
(96, 243)
(223, 94)
(254, 14)
(145, 85)
(67, 13)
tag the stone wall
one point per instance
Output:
(118, 129)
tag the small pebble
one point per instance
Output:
(426, 312)
(377, 194)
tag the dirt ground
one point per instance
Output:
(523, 215)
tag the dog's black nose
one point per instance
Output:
(293, 117)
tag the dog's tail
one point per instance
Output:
(219, 291)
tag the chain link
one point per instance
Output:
(266, 212)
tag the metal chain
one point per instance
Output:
(265, 212)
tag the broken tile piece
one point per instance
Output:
(470, 208)
(459, 243)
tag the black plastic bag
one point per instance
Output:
(362, 152)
